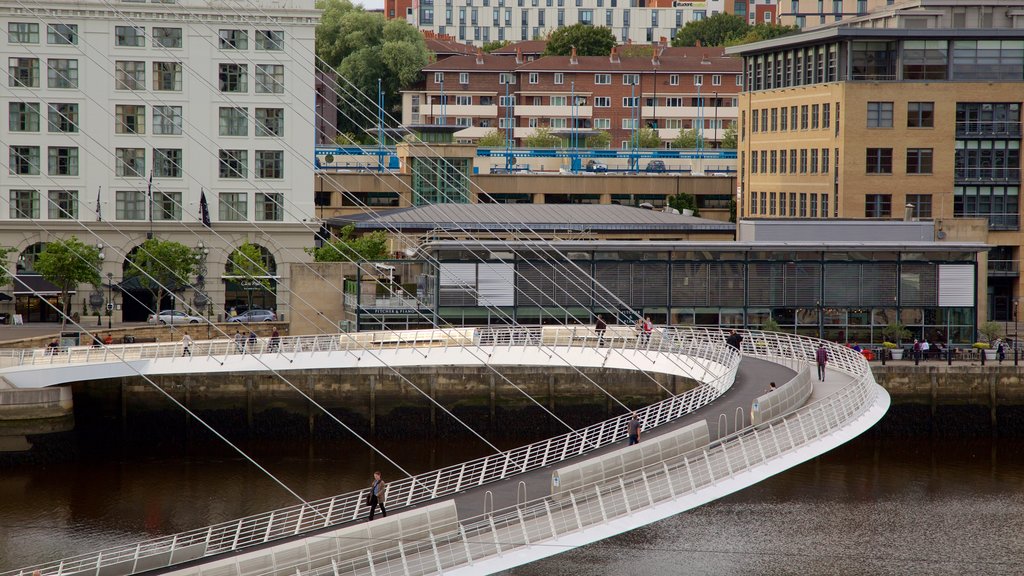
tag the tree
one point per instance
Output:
(684, 201)
(687, 139)
(763, 31)
(363, 47)
(602, 139)
(495, 45)
(542, 138)
(66, 264)
(5, 275)
(645, 138)
(346, 248)
(588, 40)
(162, 266)
(728, 139)
(493, 139)
(732, 210)
(714, 31)
(249, 268)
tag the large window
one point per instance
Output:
(234, 78)
(166, 205)
(62, 73)
(62, 161)
(167, 120)
(270, 39)
(879, 161)
(234, 121)
(24, 160)
(131, 162)
(270, 122)
(24, 204)
(134, 36)
(925, 59)
(62, 34)
(167, 162)
(130, 205)
(269, 164)
(920, 114)
(878, 206)
(873, 60)
(922, 205)
(166, 37)
(233, 164)
(129, 75)
(23, 32)
(131, 119)
(269, 207)
(167, 76)
(234, 39)
(999, 60)
(919, 160)
(23, 72)
(1000, 204)
(23, 116)
(234, 207)
(879, 114)
(62, 117)
(269, 79)
(62, 205)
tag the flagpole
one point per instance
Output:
(149, 194)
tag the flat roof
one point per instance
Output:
(539, 217)
(831, 32)
(715, 245)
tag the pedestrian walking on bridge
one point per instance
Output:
(821, 358)
(376, 497)
(633, 429)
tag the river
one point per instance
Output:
(879, 505)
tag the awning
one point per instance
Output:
(5, 297)
(134, 284)
(35, 284)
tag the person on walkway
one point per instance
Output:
(1001, 351)
(51, 348)
(108, 339)
(925, 347)
(917, 351)
(239, 341)
(646, 328)
(275, 341)
(376, 497)
(252, 342)
(186, 345)
(771, 388)
(633, 429)
(600, 326)
(734, 339)
(821, 357)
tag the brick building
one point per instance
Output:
(671, 91)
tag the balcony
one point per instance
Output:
(553, 111)
(996, 221)
(453, 110)
(724, 113)
(972, 175)
(1003, 268)
(995, 129)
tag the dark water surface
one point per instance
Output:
(875, 506)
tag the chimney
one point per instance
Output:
(704, 59)
(613, 57)
(664, 41)
(479, 56)
(656, 56)
(572, 57)
(698, 43)
(519, 55)
(908, 213)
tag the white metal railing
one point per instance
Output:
(712, 363)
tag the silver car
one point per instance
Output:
(174, 317)
(254, 316)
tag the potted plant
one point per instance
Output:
(894, 350)
(990, 331)
(894, 334)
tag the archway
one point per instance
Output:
(137, 300)
(253, 289)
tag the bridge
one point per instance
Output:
(514, 507)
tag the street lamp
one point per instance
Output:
(717, 133)
(1015, 357)
(110, 300)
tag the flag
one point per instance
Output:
(204, 209)
(149, 196)
(99, 212)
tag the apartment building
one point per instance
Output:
(910, 111)
(129, 119)
(693, 88)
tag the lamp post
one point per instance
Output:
(110, 300)
(1015, 354)
(717, 133)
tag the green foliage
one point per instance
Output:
(728, 139)
(981, 345)
(716, 30)
(66, 264)
(684, 201)
(162, 266)
(362, 47)
(493, 139)
(888, 345)
(5, 275)
(991, 331)
(345, 248)
(687, 139)
(542, 138)
(732, 210)
(588, 40)
(602, 139)
(645, 138)
(895, 331)
(762, 31)
(636, 51)
(348, 139)
(770, 325)
(248, 266)
(495, 45)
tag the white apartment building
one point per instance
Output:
(479, 21)
(122, 115)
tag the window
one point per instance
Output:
(23, 72)
(62, 118)
(270, 40)
(463, 121)
(463, 77)
(558, 123)
(879, 160)
(506, 123)
(134, 36)
(630, 102)
(234, 206)
(826, 115)
(792, 117)
(438, 77)
(130, 205)
(269, 207)
(602, 102)
(792, 204)
(559, 78)
(919, 160)
(234, 121)
(233, 164)
(507, 101)
(755, 117)
(270, 122)
(234, 78)
(782, 203)
(814, 205)
(167, 162)
(269, 164)
(61, 73)
(782, 161)
(166, 205)
(824, 161)
(783, 117)
(739, 79)
(24, 160)
(773, 166)
(630, 79)
(814, 116)
(603, 123)
(753, 162)
(63, 205)
(630, 123)
(922, 205)
(62, 34)
(559, 100)
(23, 33)
(129, 75)
(764, 120)
(803, 160)
(771, 203)
(879, 114)
(270, 79)
(673, 79)
(792, 160)
(506, 78)
(23, 116)
(234, 39)
(534, 77)
(166, 37)
(130, 119)
(167, 76)
(62, 161)
(803, 117)
(130, 162)
(878, 206)
(814, 160)
(925, 59)
(775, 119)
(698, 79)
(24, 204)
(920, 115)
(803, 205)
(167, 120)
(716, 79)
(602, 79)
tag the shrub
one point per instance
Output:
(982, 345)
(888, 345)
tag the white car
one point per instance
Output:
(174, 317)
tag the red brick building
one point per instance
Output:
(674, 90)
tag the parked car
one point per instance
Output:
(656, 166)
(595, 166)
(174, 317)
(254, 316)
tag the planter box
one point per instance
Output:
(897, 353)
(990, 354)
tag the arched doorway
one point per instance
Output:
(252, 289)
(34, 298)
(137, 300)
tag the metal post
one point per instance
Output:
(1015, 356)
(110, 300)
(718, 138)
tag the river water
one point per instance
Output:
(879, 505)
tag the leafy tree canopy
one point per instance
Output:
(687, 139)
(716, 30)
(66, 264)
(495, 45)
(684, 201)
(588, 40)
(729, 139)
(646, 138)
(542, 138)
(247, 264)
(162, 266)
(602, 139)
(763, 31)
(493, 139)
(5, 275)
(346, 248)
